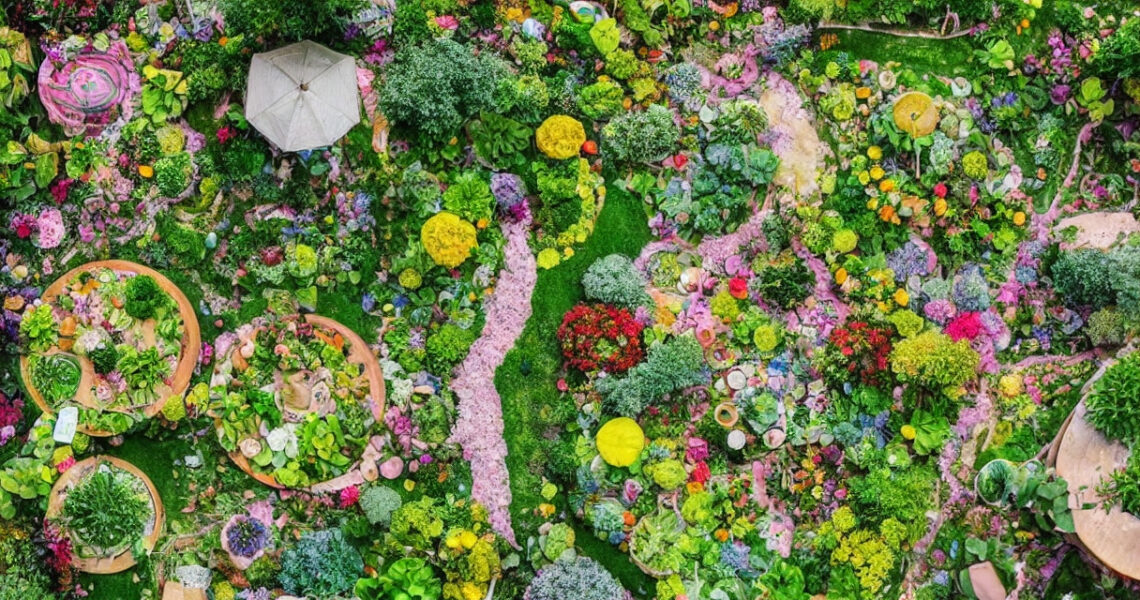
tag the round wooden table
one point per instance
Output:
(1085, 458)
(358, 353)
(187, 360)
(153, 527)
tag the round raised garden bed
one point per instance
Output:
(292, 398)
(1085, 458)
(75, 324)
(91, 559)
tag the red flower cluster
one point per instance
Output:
(861, 350)
(594, 337)
(965, 326)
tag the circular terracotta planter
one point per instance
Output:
(358, 354)
(726, 414)
(179, 379)
(123, 559)
(1085, 458)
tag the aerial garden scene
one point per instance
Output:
(570, 300)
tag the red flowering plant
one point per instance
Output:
(599, 337)
(857, 352)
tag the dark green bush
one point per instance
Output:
(143, 297)
(1114, 404)
(1083, 277)
(322, 564)
(104, 358)
(432, 89)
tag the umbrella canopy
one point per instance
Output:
(302, 96)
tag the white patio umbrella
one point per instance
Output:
(302, 96)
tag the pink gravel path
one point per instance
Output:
(479, 428)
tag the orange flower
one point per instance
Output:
(628, 518)
(1019, 218)
(841, 276)
(863, 93)
(731, 9)
(146, 171)
(721, 535)
(886, 185)
(223, 40)
(887, 212)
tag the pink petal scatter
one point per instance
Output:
(479, 428)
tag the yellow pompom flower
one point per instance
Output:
(560, 137)
(874, 153)
(1010, 385)
(448, 239)
(1019, 218)
(908, 432)
(877, 172)
(620, 441)
(549, 258)
(901, 297)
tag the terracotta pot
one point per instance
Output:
(726, 414)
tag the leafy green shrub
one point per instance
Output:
(614, 280)
(378, 503)
(499, 140)
(409, 578)
(670, 366)
(103, 358)
(187, 244)
(321, 20)
(23, 572)
(107, 509)
(469, 196)
(1119, 54)
(433, 88)
(933, 361)
(322, 564)
(143, 297)
(449, 344)
(643, 136)
(1124, 488)
(1114, 404)
(904, 494)
(1107, 327)
(37, 327)
(56, 376)
(1083, 277)
(600, 100)
(417, 523)
(783, 281)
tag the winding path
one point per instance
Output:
(479, 428)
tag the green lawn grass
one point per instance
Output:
(943, 57)
(531, 402)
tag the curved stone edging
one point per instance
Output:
(479, 428)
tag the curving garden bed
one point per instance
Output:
(260, 428)
(88, 556)
(79, 310)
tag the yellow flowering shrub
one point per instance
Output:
(560, 136)
(448, 239)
